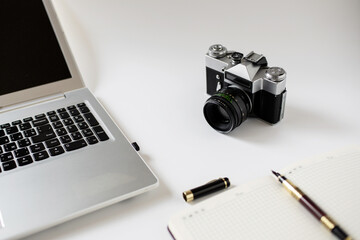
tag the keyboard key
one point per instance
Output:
(44, 128)
(68, 121)
(40, 122)
(60, 110)
(10, 147)
(4, 140)
(50, 113)
(74, 112)
(61, 131)
(39, 116)
(64, 115)
(11, 130)
(72, 128)
(76, 135)
(56, 151)
(28, 119)
(92, 140)
(24, 160)
(75, 145)
(37, 147)
(43, 136)
(79, 119)
(17, 122)
(99, 131)
(16, 136)
(9, 165)
(1, 151)
(81, 105)
(71, 107)
(83, 125)
(2, 133)
(30, 133)
(87, 132)
(6, 157)
(65, 139)
(91, 119)
(52, 143)
(57, 124)
(6, 125)
(40, 156)
(21, 152)
(84, 110)
(54, 118)
(24, 142)
(24, 126)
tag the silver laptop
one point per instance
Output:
(61, 155)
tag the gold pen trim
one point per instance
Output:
(188, 196)
(294, 191)
(226, 186)
(327, 222)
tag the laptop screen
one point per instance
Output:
(30, 54)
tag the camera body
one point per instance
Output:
(264, 87)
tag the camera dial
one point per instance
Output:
(217, 51)
(236, 57)
(275, 74)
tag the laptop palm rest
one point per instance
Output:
(55, 190)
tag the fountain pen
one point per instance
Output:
(312, 207)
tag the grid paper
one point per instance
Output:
(265, 210)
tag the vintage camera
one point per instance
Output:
(242, 87)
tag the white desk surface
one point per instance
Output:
(144, 60)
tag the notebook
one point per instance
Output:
(61, 154)
(263, 209)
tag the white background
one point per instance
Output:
(144, 60)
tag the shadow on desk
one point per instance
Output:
(296, 120)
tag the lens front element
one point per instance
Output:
(227, 109)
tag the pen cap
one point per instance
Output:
(206, 189)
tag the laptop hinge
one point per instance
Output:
(33, 102)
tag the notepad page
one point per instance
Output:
(265, 210)
(333, 180)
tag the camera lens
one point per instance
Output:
(227, 109)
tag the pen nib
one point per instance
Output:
(276, 173)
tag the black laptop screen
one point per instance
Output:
(30, 54)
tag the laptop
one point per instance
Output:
(61, 155)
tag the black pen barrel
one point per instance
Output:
(206, 189)
(210, 187)
(337, 231)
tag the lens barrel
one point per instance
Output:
(227, 109)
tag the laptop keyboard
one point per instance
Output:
(23, 142)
